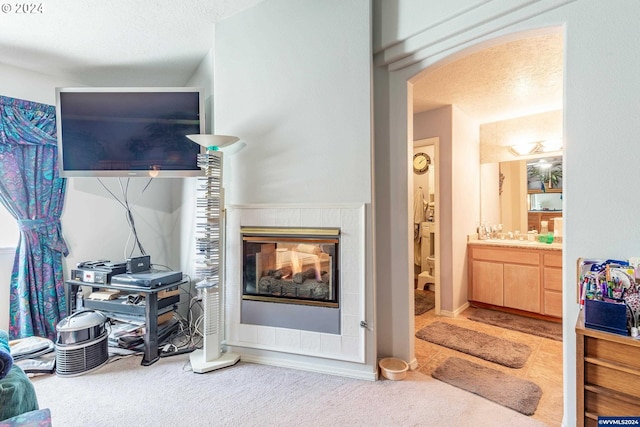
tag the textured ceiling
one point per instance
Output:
(161, 42)
(115, 42)
(514, 79)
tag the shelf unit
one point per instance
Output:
(607, 374)
(149, 312)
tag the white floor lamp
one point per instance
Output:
(210, 254)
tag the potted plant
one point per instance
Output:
(542, 178)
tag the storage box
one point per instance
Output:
(606, 316)
(165, 317)
(165, 293)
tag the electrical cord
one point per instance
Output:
(123, 356)
(130, 219)
(190, 334)
(129, 214)
(179, 342)
(189, 329)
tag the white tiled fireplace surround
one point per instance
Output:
(349, 344)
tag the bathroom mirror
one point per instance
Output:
(509, 190)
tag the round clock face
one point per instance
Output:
(421, 162)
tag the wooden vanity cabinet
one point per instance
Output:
(552, 284)
(522, 287)
(509, 278)
(522, 279)
(484, 274)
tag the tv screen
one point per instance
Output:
(128, 132)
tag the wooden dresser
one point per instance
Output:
(607, 376)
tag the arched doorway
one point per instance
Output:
(498, 126)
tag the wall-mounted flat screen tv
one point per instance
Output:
(129, 132)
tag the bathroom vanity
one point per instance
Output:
(517, 276)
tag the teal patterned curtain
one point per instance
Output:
(33, 192)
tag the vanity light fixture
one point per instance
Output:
(529, 148)
(542, 164)
(551, 145)
(524, 149)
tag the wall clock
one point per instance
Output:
(421, 162)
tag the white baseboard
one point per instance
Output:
(306, 366)
(456, 313)
(413, 365)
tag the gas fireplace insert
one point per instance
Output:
(291, 265)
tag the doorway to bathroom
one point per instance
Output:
(482, 115)
(425, 225)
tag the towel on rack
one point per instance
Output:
(418, 206)
(418, 218)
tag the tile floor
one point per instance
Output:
(544, 366)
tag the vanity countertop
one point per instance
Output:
(519, 244)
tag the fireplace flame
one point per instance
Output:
(295, 262)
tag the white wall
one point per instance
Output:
(95, 226)
(599, 123)
(9, 233)
(292, 80)
(489, 193)
(29, 85)
(465, 210)
(6, 265)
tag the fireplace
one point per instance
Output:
(291, 265)
(289, 324)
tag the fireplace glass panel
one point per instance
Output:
(298, 268)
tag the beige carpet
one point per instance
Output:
(424, 301)
(515, 393)
(479, 344)
(167, 393)
(539, 327)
